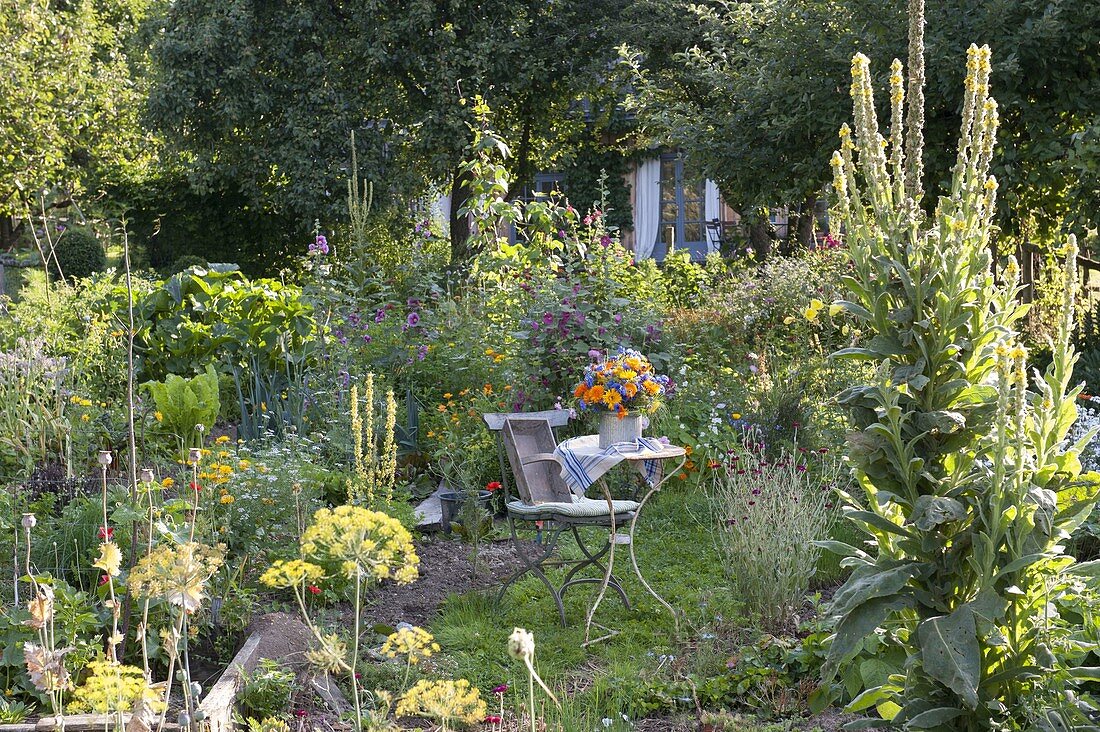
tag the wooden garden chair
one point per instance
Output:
(545, 501)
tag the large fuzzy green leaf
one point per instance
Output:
(934, 718)
(950, 653)
(931, 511)
(871, 582)
(857, 625)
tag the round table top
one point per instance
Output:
(590, 442)
(665, 453)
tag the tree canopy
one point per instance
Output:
(266, 94)
(757, 94)
(71, 101)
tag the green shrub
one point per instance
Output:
(266, 691)
(186, 262)
(768, 514)
(79, 254)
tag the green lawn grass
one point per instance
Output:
(675, 551)
(677, 554)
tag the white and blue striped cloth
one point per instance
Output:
(583, 462)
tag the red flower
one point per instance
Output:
(500, 688)
(104, 579)
(314, 589)
(194, 486)
(107, 533)
(493, 486)
(300, 713)
(493, 719)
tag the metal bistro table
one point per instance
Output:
(638, 460)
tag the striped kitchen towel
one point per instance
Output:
(583, 462)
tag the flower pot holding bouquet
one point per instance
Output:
(622, 390)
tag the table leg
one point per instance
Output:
(634, 559)
(610, 567)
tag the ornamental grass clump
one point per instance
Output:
(769, 512)
(969, 485)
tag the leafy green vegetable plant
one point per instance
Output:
(969, 485)
(187, 407)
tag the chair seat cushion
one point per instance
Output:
(579, 508)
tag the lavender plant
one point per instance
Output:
(970, 486)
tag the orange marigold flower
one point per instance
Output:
(580, 390)
(594, 395)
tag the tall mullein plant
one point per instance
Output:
(969, 489)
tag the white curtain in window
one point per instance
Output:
(647, 207)
(441, 213)
(711, 207)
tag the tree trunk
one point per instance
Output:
(7, 233)
(761, 235)
(522, 175)
(460, 224)
(806, 222)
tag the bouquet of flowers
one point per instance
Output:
(621, 384)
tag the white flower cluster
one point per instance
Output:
(1088, 419)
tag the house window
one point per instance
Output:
(542, 186)
(683, 224)
(539, 189)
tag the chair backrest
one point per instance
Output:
(495, 422)
(556, 417)
(538, 481)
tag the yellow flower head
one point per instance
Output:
(176, 573)
(414, 642)
(364, 543)
(112, 687)
(285, 574)
(444, 701)
(110, 558)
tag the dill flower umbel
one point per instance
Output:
(177, 573)
(414, 642)
(112, 687)
(361, 543)
(291, 574)
(445, 701)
